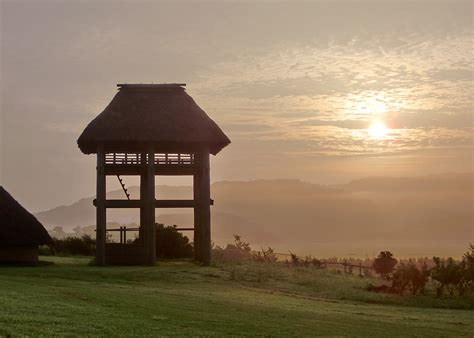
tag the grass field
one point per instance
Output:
(70, 297)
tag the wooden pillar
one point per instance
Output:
(143, 196)
(101, 211)
(149, 206)
(197, 220)
(202, 189)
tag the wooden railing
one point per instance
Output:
(160, 159)
(123, 232)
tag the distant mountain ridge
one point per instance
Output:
(425, 208)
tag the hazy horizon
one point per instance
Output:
(414, 216)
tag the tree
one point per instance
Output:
(409, 277)
(172, 244)
(468, 258)
(58, 232)
(384, 264)
(448, 274)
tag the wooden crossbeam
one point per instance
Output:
(126, 204)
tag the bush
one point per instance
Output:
(237, 252)
(265, 255)
(170, 243)
(294, 260)
(384, 264)
(45, 250)
(452, 275)
(409, 277)
(84, 245)
(241, 251)
(468, 260)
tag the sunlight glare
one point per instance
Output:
(377, 130)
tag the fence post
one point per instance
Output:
(345, 266)
(360, 269)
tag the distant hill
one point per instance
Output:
(425, 208)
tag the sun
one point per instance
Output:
(378, 130)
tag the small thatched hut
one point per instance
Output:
(20, 232)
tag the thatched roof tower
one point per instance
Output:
(149, 130)
(19, 228)
(162, 115)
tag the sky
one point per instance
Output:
(324, 92)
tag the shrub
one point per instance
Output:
(241, 251)
(84, 245)
(468, 260)
(384, 264)
(237, 252)
(409, 277)
(45, 250)
(452, 275)
(170, 243)
(295, 260)
(265, 255)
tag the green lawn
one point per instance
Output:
(180, 298)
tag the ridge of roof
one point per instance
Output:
(19, 227)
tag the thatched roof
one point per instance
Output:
(17, 226)
(161, 115)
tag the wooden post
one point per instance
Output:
(360, 269)
(143, 196)
(101, 211)
(203, 190)
(197, 220)
(150, 228)
(345, 266)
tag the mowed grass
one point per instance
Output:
(70, 297)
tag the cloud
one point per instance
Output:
(294, 85)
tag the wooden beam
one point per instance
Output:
(177, 203)
(160, 170)
(159, 204)
(124, 204)
(101, 211)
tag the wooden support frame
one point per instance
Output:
(101, 211)
(143, 193)
(159, 204)
(147, 204)
(202, 210)
(197, 219)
